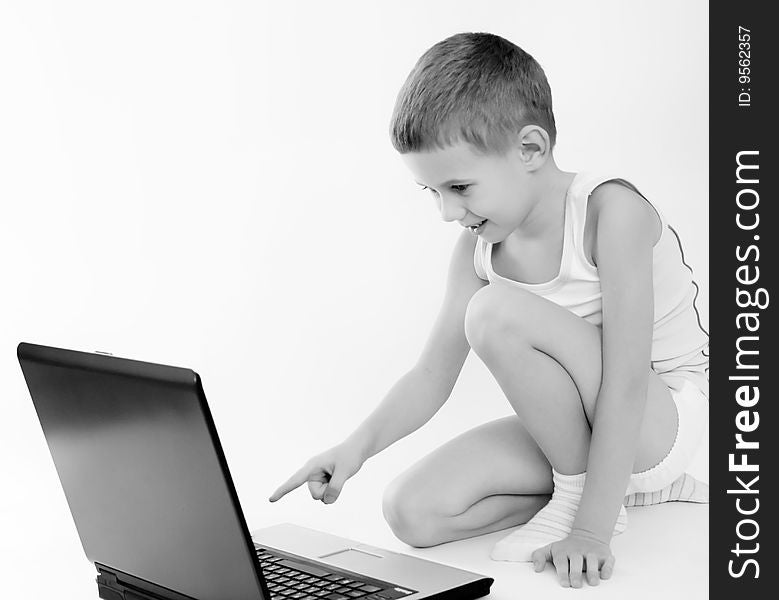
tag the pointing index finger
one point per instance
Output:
(298, 479)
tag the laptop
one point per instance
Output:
(146, 480)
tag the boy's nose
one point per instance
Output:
(451, 210)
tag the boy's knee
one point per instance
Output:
(406, 514)
(492, 314)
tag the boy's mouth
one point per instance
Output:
(476, 226)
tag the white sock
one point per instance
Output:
(685, 489)
(551, 523)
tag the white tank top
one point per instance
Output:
(680, 345)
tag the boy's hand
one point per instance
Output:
(570, 556)
(325, 474)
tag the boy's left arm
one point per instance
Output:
(626, 232)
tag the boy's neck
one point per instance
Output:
(547, 216)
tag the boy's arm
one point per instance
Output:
(626, 232)
(421, 392)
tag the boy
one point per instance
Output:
(572, 290)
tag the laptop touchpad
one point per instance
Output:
(352, 558)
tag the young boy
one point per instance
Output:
(573, 291)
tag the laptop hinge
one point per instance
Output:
(113, 586)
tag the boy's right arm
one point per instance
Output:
(414, 398)
(423, 390)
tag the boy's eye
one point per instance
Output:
(457, 187)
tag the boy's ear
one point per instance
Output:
(534, 146)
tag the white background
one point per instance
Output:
(212, 185)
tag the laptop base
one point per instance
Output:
(115, 585)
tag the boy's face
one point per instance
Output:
(488, 194)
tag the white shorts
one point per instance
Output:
(692, 408)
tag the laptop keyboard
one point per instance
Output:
(288, 578)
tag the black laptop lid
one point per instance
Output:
(143, 471)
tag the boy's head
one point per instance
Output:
(476, 88)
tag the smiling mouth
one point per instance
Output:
(476, 226)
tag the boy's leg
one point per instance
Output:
(548, 363)
(486, 479)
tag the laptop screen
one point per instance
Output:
(143, 471)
